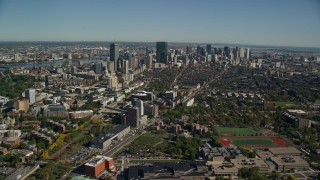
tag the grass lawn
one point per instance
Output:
(252, 142)
(228, 131)
(284, 104)
(148, 139)
(155, 161)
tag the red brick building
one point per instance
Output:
(96, 166)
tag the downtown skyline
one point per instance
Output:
(283, 23)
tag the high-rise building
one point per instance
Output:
(139, 104)
(134, 62)
(209, 50)
(125, 66)
(132, 117)
(202, 52)
(189, 50)
(209, 58)
(151, 110)
(198, 50)
(17, 57)
(112, 81)
(231, 56)
(147, 50)
(149, 61)
(110, 66)
(248, 53)
(128, 56)
(242, 52)
(31, 95)
(69, 56)
(98, 68)
(114, 55)
(162, 52)
(175, 59)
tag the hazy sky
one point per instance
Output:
(260, 22)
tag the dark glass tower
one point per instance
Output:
(114, 55)
(209, 50)
(162, 52)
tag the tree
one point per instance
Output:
(45, 155)
(251, 155)
(290, 177)
(275, 175)
(251, 174)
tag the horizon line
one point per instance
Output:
(109, 41)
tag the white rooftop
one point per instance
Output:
(298, 111)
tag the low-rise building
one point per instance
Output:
(243, 162)
(10, 133)
(41, 137)
(188, 102)
(80, 114)
(12, 141)
(22, 105)
(290, 163)
(225, 171)
(97, 165)
(285, 151)
(104, 141)
(56, 126)
(3, 151)
(56, 111)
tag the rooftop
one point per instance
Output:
(110, 134)
(284, 150)
(97, 160)
(296, 111)
(292, 160)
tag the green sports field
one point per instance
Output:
(252, 142)
(284, 104)
(228, 131)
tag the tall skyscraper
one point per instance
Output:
(209, 50)
(162, 52)
(31, 95)
(114, 55)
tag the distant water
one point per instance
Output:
(283, 48)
